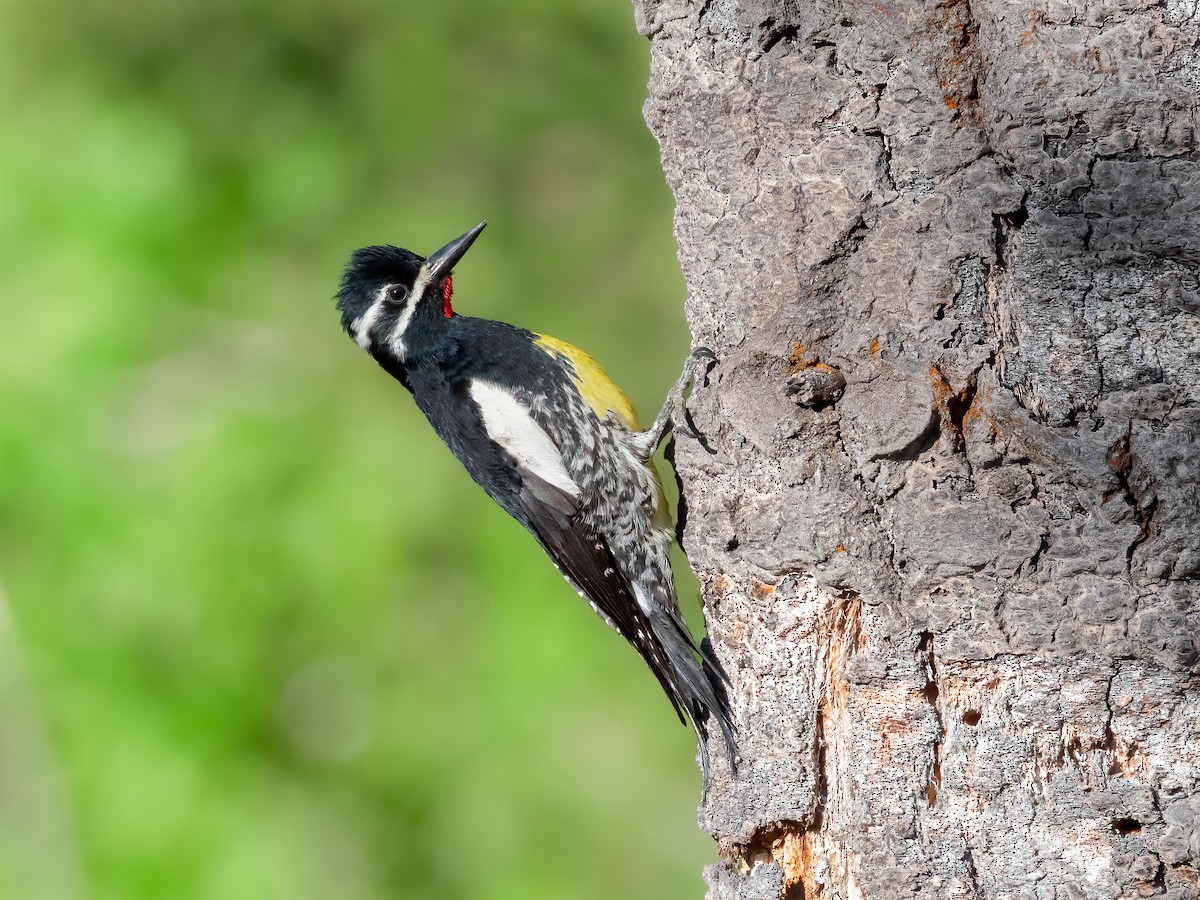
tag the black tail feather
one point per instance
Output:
(699, 686)
(710, 661)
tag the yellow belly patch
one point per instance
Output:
(596, 388)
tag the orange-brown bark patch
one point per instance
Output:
(760, 590)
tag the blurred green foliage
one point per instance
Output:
(268, 640)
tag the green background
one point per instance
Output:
(262, 637)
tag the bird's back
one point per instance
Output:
(595, 387)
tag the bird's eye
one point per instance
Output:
(397, 293)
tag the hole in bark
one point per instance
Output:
(731, 544)
(1018, 218)
(900, 565)
(959, 404)
(773, 33)
(971, 717)
(1126, 826)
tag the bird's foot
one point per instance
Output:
(698, 364)
(674, 410)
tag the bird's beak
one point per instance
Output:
(440, 263)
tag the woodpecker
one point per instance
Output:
(538, 424)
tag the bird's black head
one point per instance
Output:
(393, 302)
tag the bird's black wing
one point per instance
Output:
(583, 556)
(491, 427)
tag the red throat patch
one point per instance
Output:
(447, 293)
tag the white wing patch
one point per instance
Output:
(642, 594)
(510, 425)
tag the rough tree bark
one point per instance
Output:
(946, 517)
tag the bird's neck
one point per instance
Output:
(427, 341)
(394, 367)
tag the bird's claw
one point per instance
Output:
(673, 415)
(702, 355)
(699, 362)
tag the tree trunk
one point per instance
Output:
(945, 512)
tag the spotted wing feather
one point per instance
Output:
(584, 558)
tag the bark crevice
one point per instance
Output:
(948, 256)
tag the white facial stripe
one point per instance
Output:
(418, 288)
(510, 425)
(362, 326)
